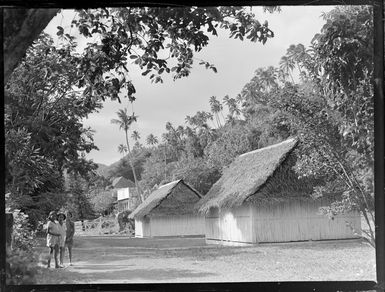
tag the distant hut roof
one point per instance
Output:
(121, 182)
(178, 192)
(260, 176)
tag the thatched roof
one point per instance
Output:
(260, 176)
(121, 182)
(174, 198)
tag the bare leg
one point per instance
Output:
(50, 256)
(56, 251)
(70, 253)
(61, 257)
(64, 251)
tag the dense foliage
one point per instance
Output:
(56, 86)
(44, 133)
(21, 260)
(157, 40)
(102, 201)
(329, 107)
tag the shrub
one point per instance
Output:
(21, 264)
(21, 268)
(23, 235)
(125, 222)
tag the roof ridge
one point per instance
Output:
(268, 147)
(192, 188)
(169, 183)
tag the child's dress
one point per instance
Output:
(52, 240)
(62, 230)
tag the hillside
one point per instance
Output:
(102, 169)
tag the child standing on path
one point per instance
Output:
(70, 235)
(62, 238)
(52, 238)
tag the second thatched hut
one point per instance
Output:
(169, 211)
(259, 198)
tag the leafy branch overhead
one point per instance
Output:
(155, 39)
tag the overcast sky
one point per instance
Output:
(171, 101)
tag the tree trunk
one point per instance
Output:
(21, 28)
(224, 120)
(8, 229)
(132, 167)
(217, 119)
(299, 69)
(291, 76)
(165, 161)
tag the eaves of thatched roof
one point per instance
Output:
(160, 195)
(121, 182)
(246, 176)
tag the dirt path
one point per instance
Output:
(133, 260)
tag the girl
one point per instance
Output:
(62, 238)
(52, 238)
(70, 235)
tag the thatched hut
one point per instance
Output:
(169, 211)
(259, 198)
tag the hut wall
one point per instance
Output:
(233, 225)
(300, 220)
(185, 225)
(123, 205)
(142, 227)
(123, 193)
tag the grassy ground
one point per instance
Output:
(133, 260)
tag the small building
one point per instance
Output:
(169, 211)
(124, 190)
(259, 198)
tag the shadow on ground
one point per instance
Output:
(129, 260)
(117, 274)
(320, 245)
(136, 275)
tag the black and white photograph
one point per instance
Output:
(189, 144)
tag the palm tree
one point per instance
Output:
(137, 146)
(267, 77)
(135, 135)
(124, 121)
(191, 121)
(287, 65)
(180, 131)
(216, 107)
(151, 140)
(232, 105)
(226, 100)
(230, 119)
(298, 54)
(122, 149)
(313, 66)
(282, 75)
